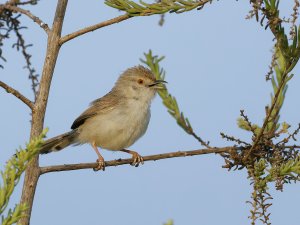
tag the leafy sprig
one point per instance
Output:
(168, 100)
(11, 176)
(160, 7)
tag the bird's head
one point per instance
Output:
(139, 82)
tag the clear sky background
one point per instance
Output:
(216, 63)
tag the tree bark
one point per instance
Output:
(38, 113)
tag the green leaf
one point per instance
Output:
(11, 176)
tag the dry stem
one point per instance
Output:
(29, 14)
(75, 34)
(17, 94)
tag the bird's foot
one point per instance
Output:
(101, 165)
(137, 159)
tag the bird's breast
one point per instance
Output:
(118, 128)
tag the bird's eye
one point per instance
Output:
(140, 81)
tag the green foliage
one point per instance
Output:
(260, 196)
(261, 175)
(265, 160)
(245, 126)
(290, 50)
(168, 100)
(160, 7)
(280, 67)
(289, 170)
(14, 215)
(279, 85)
(169, 222)
(11, 176)
(286, 56)
(269, 160)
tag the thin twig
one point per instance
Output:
(25, 3)
(234, 139)
(292, 146)
(29, 14)
(75, 34)
(10, 2)
(202, 142)
(118, 162)
(261, 132)
(17, 94)
(245, 117)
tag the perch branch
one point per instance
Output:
(75, 34)
(17, 94)
(118, 162)
(29, 14)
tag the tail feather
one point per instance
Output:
(59, 142)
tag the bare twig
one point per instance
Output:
(205, 144)
(10, 23)
(21, 45)
(17, 94)
(29, 14)
(234, 139)
(118, 162)
(75, 34)
(14, 3)
(27, 2)
(292, 146)
(245, 117)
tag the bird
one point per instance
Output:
(116, 120)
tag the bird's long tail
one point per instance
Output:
(59, 142)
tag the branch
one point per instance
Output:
(29, 14)
(32, 173)
(17, 94)
(10, 2)
(118, 162)
(80, 32)
(261, 132)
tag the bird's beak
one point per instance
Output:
(158, 84)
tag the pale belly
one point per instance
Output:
(116, 130)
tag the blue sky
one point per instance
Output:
(216, 63)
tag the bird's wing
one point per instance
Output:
(99, 106)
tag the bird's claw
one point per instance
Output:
(101, 165)
(137, 159)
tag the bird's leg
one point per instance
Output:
(100, 160)
(137, 159)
